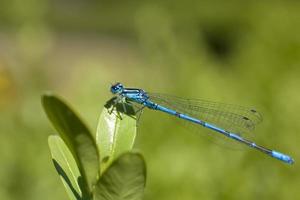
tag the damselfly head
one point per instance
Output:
(117, 88)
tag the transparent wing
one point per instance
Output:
(233, 118)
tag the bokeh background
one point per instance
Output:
(246, 53)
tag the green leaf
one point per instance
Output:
(115, 135)
(65, 166)
(76, 136)
(124, 180)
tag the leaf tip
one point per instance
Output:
(47, 94)
(46, 97)
(51, 138)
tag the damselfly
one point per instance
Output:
(227, 120)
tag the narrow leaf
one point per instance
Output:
(115, 135)
(124, 179)
(65, 166)
(76, 136)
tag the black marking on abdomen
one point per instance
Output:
(178, 114)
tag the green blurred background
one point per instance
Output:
(241, 52)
